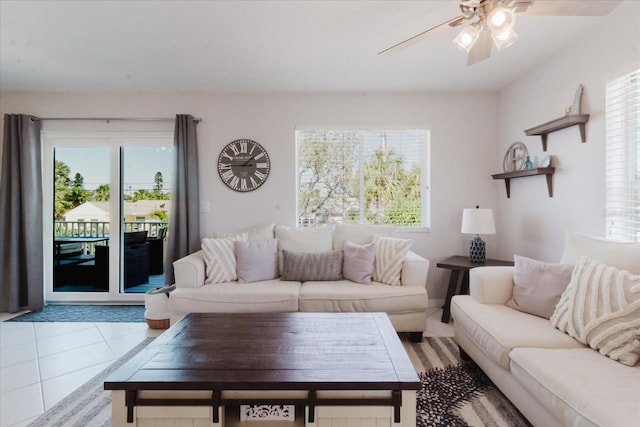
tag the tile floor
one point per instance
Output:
(41, 363)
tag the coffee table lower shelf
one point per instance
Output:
(189, 408)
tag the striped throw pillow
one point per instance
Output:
(601, 308)
(220, 260)
(390, 254)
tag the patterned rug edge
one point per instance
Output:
(84, 313)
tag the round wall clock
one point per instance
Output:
(243, 165)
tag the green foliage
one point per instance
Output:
(323, 172)
(102, 193)
(161, 215)
(329, 181)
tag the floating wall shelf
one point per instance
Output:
(564, 122)
(548, 172)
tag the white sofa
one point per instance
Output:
(551, 378)
(405, 304)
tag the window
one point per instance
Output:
(363, 176)
(622, 122)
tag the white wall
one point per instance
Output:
(530, 223)
(463, 152)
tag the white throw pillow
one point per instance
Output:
(220, 260)
(390, 254)
(601, 308)
(359, 234)
(623, 255)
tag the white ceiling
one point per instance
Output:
(256, 46)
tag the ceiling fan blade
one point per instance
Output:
(423, 35)
(481, 50)
(570, 7)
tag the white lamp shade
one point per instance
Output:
(478, 221)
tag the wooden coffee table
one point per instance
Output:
(334, 367)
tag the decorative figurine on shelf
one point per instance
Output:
(577, 98)
(528, 164)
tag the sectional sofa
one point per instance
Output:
(553, 378)
(306, 269)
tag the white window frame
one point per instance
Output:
(622, 142)
(425, 175)
(114, 140)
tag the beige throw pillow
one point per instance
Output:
(601, 308)
(538, 285)
(390, 254)
(220, 260)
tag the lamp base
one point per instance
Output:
(476, 250)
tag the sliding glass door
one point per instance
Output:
(107, 204)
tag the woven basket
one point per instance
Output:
(158, 324)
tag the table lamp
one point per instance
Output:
(477, 221)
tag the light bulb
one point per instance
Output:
(505, 39)
(467, 37)
(500, 20)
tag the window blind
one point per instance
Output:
(622, 134)
(363, 176)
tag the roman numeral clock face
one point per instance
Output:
(243, 165)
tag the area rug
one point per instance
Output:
(84, 313)
(453, 393)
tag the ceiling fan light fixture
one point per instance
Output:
(467, 37)
(501, 19)
(505, 39)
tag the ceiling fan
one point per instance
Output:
(494, 20)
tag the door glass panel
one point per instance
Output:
(146, 200)
(81, 219)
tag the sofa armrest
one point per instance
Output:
(189, 271)
(415, 270)
(491, 285)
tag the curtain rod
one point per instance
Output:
(108, 119)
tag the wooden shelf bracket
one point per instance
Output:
(547, 172)
(563, 122)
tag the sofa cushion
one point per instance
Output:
(220, 260)
(347, 296)
(258, 232)
(601, 307)
(359, 234)
(302, 266)
(623, 255)
(580, 386)
(498, 329)
(390, 254)
(257, 260)
(233, 297)
(358, 262)
(538, 285)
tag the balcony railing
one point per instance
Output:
(101, 228)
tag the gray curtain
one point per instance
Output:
(184, 222)
(21, 239)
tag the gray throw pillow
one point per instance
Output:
(537, 285)
(304, 266)
(358, 262)
(257, 260)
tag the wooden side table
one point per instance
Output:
(461, 264)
